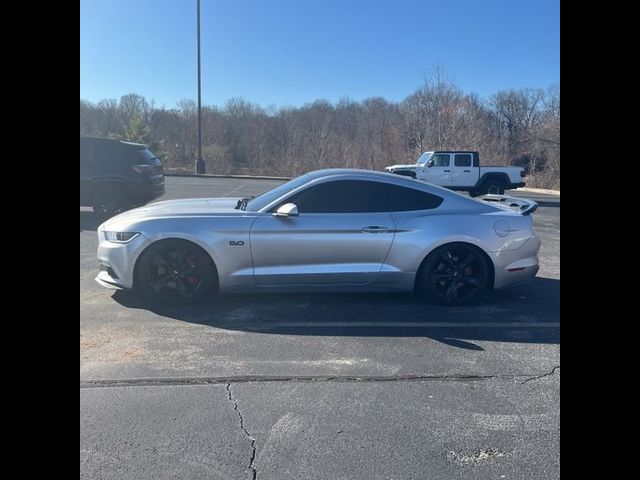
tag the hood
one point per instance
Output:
(171, 208)
(404, 167)
(189, 206)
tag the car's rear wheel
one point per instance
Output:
(454, 274)
(110, 200)
(175, 272)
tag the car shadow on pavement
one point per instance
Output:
(528, 314)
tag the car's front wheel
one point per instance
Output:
(454, 274)
(176, 272)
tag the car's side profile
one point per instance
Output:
(332, 229)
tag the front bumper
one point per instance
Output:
(117, 261)
(107, 281)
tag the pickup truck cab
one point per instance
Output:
(461, 170)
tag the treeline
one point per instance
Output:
(512, 127)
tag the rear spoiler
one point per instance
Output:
(524, 206)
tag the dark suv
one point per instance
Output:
(117, 175)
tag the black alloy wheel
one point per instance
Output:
(454, 274)
(176, 272)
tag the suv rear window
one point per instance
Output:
(144, 154)
(140, 156)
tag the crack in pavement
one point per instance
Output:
(146, 382)
(541, 376)
(242, 427)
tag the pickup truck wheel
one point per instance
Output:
(493, 186)
(454, 274)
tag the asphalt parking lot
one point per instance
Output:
(322, 386)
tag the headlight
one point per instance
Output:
(120, 237)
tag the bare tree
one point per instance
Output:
(513, 126)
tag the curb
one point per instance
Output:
(213, 175)
(539, 190)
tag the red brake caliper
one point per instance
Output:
(192, 263)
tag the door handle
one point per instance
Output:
(467, 171)
(446, 170)
(374, 229)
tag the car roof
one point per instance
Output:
(454, 151)
(370, 175)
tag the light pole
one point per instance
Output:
(199, 162)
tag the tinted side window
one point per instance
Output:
(440, 160)
(462, 160)
(358, 196)
(342, 196)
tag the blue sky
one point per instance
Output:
(291, 52)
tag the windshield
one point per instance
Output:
(268, 197)
(422, 159)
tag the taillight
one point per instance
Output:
(142, 168)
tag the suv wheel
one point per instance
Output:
(110, 201)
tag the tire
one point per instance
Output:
(175, 272)
(494, 186)
(454, 274)
(110, 200)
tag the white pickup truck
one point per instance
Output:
(461, 170)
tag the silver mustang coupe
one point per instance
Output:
(337, 229)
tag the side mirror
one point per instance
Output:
(429, 164)
(287, 210)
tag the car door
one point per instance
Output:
(464, 174)
(439, 173)
(332, 240)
